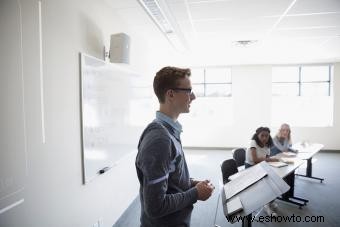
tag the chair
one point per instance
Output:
(239, 154)
(228, 168)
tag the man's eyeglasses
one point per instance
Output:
(185, 90)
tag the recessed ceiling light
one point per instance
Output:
(160, 13)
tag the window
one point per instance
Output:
(285, 81)
(312, 80)
(316, 81)
(211, 81)
(213, 107)
(302, 95)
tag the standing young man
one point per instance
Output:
(167, 193)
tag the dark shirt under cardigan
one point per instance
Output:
(166, 194)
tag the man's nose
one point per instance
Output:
(192, 96)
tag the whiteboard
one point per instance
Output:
(107, 95)
(13, 164)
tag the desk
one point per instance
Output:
(258, 194)
(288, 174)
(288, 169)
(306, 152)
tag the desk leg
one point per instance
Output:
(246, 222)
(309, 171)
(309, 168)
(289, 195)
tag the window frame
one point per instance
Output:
(300, 82)
(206, 84)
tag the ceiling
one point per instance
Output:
(282, 31)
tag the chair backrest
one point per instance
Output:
(239, 154)
(228, 168)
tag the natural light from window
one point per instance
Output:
(302, 95)
(213, 106)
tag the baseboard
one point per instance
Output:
(329, 151)
(208, 148)
(231, 148)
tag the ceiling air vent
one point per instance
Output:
(245, 43)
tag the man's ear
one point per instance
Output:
(170, 93)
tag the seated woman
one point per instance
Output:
(258, 151)
(282, 142)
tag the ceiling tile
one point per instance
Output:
(135, 16)
(119, 4)
(316, 32)
(318, 20)
(178, 10)
(256, 23)
(237, 9)
(315, 6)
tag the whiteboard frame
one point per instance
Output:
(112, 163)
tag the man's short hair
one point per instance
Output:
(167, 78)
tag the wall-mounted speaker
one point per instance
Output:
(120, 48)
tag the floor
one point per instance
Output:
(323, 197)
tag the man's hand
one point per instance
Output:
(204, 189)
(194, 182)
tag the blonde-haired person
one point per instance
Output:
(282, 142)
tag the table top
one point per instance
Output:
(281, 171)
(291, 167)
(307, 150)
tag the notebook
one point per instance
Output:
(289, 154)
(277, 164)
(244, 180)
(287, 160)
(234, 205)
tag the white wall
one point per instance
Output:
(54, 194)
(252, 108)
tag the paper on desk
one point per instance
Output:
(238, 174)
(287, 160)
(289, 154)
(277, 164)
(301, 147)
(234, 205)
(244, 180)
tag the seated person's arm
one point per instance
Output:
(271, 159)
(260, 159)
(291, 149)
(279, 146)
(254, 156)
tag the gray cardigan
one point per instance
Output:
(166, 194)
(280, 146)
